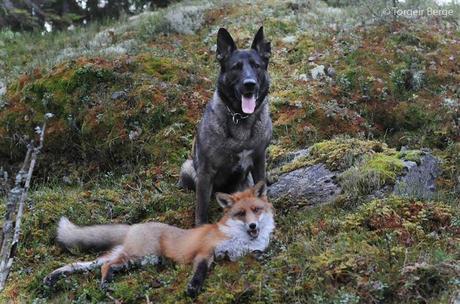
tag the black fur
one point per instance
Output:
(229, 148)
(239, 65)
(195, 285)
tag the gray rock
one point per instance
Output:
(317, 185)
(330, 71)
(300, 153)
(318, 72)
(67, 180)
(302, 77)
(119, 95)
(314, 184)
(449, 103)
(419, 180)
(289, 39)
(379, 193)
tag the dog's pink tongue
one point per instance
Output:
(248, 104)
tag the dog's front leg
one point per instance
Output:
(203, 195)
(258, 170)
(201, 266)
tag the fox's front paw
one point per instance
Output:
(51, 279)
(193, 289)
(104, 285)
(258, 255)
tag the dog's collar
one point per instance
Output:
(236, 117)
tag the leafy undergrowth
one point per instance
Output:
(126, 104)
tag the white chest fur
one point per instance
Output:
(245, 159)
(239, 242)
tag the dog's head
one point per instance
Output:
(243, 81)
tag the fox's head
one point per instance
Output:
(248, 211)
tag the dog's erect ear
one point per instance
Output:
(225, 200)
(260, 189)
(225, 44)
(260, 45)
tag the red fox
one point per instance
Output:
(245, 227)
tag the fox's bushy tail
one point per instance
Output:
(97, 237)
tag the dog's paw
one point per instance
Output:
(51, 279)
(258, 255)
(104, 285)
(193, 290)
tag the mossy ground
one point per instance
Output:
(120, 157)
(388, 250)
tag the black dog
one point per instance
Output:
(229, 149)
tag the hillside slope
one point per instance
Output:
(127, 97)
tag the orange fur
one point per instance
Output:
(184, 246)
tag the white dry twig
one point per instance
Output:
(16, 198)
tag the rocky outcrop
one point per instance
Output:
(316, 184)
(419, 180)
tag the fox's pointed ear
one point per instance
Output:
(260, 45)
(225, 44)
(225, 200)
(260, 189)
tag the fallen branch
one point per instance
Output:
(17, 196)
(4, 188)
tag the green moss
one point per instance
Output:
(388, 167)
(371, 174)
(282, 26)
(303, 48)
(298, 163)
(340, 154)
(88, 125)
(400, 78)
(411, 155)
(348, 79)
(321, 258)
(401, 213)
(163, 68)
(406, 38)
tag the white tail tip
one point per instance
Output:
(65, 230)
(64, 222)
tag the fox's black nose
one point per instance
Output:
(252, 226)
(249, 84)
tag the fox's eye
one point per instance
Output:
(256, 209)
(240, 213)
